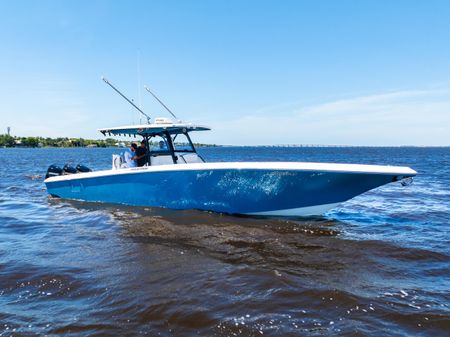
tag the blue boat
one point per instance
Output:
(175, 176)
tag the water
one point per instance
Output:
(377, 265)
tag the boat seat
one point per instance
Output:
(117, 161)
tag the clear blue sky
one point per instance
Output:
(258, 72)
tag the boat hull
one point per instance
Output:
(273, 189)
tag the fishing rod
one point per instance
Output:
(134, 105)
(148, 89)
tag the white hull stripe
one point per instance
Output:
(289, 166)
(302, 211)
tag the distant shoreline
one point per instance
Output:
(248, 146)
(7, 141)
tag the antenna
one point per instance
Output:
(116, 90)
(147, 88)
(139, 82)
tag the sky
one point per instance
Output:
(257, 72)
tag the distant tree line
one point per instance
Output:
(13, 141)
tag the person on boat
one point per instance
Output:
(162, 145)
(141, 154)
(129, 154)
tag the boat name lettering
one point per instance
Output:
(282, 173)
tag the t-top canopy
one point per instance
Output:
(152, 129)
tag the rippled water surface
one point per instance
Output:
(377, 265)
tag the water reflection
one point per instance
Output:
(284, 245)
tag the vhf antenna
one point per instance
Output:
(147, 88)
(134, 105)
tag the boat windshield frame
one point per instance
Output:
(166, 131)
(170, 149)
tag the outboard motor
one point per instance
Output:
(83, 169)
(69, 169)
(53, 171)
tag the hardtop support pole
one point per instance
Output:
(190, 141)
(171, 147)
(147, 153)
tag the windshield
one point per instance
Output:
(158, 144)
(181, 143)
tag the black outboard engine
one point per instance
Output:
(53, 171)
(83, 169)
(69, 169)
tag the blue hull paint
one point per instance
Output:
(235, 191)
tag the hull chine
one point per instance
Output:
(299, 211)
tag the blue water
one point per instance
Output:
(377, 265)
